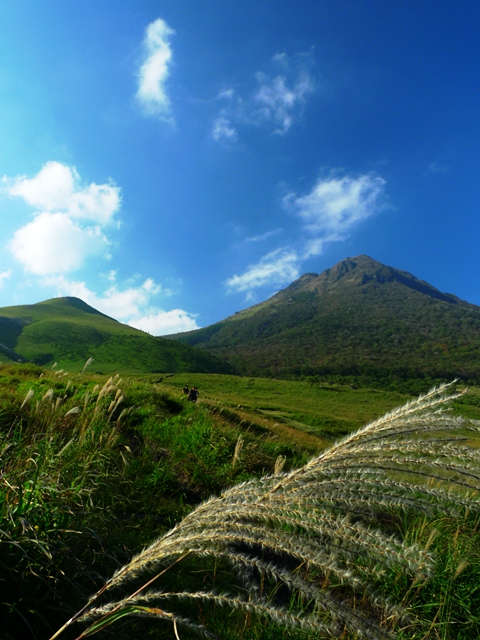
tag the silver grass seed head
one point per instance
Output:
(47, 396)
(28, 397)
(73, 411)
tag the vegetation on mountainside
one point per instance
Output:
(68, 331)
(359, 321)
(94, 469)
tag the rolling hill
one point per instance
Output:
(68, 331)
(359, 318)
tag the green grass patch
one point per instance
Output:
(326, 411)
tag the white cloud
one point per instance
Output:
(336, 204)
(274, 269)
(314, 246)
(51, 189)
(4, 275)
(54, 243)
(68, 226)
(164, 323)
(120, 304)
(57, 187)
(131, 305)
(97, 202)
(222, 130)
(155, 70)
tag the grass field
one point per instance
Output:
(94, 469)
(295, 408)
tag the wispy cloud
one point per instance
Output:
(226, 94)
(131, 305)
(328, 213)
(280, 104)
(68, 225)
(263, 236)
(274, 269)
(223, 131)
(155, 69)
(4, 275)
(276, 103)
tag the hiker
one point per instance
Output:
(186, 390)
(193, 395)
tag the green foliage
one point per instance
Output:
(447, 606)
(68, 331)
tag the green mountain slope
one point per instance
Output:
(358, 318)
(68, 331)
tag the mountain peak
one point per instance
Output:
(360, 270)
(359, 315)
(77, 303)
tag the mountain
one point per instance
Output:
(68, 331)
(358, 318)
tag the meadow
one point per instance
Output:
(324, 411)
(93, 469)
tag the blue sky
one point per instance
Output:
(171, 163)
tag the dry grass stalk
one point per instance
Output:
(279, 464)
(27, 398)
(238, 451)
(87, 364)
(73, 411)
(47, 396)
(320, 525)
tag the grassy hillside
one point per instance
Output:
(359, 319)
(93, 469)
(68, 331)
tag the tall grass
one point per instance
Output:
(58, 455)
(90, 471)
(316, 548)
